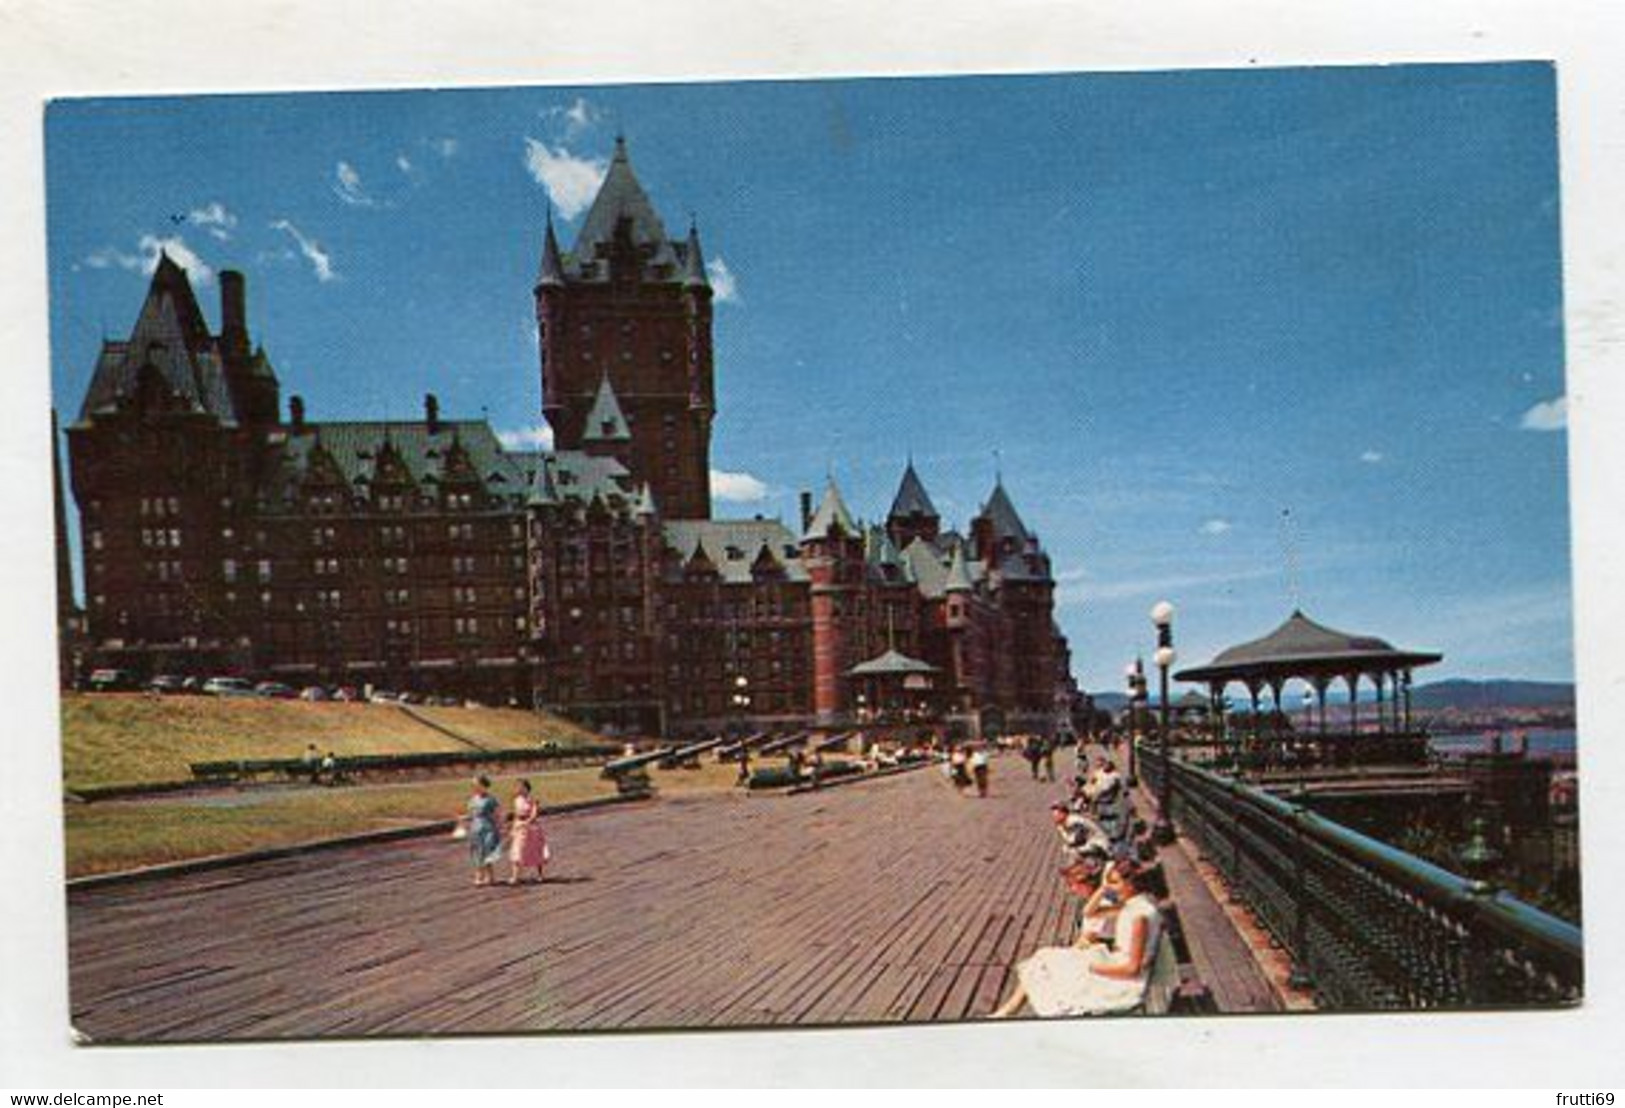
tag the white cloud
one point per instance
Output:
(1548, 415)
(109, 257)
(737, 488)
(445, 147)
(571, 181)
(321, 262)
(1372, 457)
(724, 285)
(1216, 527)
(145, 260)
(348, 187)
(404, 164)
(579, 117)
(215, 219)
(537, 437)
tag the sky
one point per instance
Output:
(1241, 340)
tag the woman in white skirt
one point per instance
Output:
(1087, 979)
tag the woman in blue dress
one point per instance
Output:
(484, 832)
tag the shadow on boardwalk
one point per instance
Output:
(897, 900)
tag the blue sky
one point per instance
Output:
(1177, 305)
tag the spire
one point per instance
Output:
(912, 499)
(644, 505)
(606, 422)
(1002, 514)
(958, 572)
(620, 197)
(694, 261)
(552, 271)
(830, 513)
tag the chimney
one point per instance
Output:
(296, 410)
(806, 510)
(233, 312)
(431, 412)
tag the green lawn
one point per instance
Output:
(109, 836)
(127, 738)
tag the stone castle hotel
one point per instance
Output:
(222, 534)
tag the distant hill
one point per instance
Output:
(1480, 695)
(1111, 701)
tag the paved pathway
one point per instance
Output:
(887, 901)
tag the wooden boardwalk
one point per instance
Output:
(889, 901)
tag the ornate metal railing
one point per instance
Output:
(1367, 925)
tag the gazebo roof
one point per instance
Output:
(891, 664)
(1301, 647)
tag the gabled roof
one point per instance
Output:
(911, 498)
(1300, 645)
(621, 196)
(1003, 515)
(929, 565)
(831, 511)
(171, 336)
(357, 448)
(606, 422)
(734, 546)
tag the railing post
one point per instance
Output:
(1301, 977)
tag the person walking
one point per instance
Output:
(979, 769)
(1049, 745)
(483, 831)
(527, 847)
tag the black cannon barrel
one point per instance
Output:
(636, 761)
(785, 743)
(730, 752)
(692, 750)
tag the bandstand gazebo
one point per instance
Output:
(893, 686)
(1301, 649)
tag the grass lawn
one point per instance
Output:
(118, 835)
(126, 738)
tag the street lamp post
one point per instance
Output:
(1162, 617)
(741, 702)
(1135, 673)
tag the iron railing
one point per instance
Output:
(1367, 925)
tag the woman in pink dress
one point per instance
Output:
(527, 843)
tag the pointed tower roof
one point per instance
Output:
(552, 268)
(958, 573)
(1003, 515)
(170, 338)
(830, 512)
(606, 422)
(644, 505)
(694, 261)
(911, 498)
(621, 196)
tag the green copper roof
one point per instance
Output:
(831, 511)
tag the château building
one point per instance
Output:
(221, 533)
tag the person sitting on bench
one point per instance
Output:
(1086, 978)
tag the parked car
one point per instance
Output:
(167, 683)
(346, 693)
(228, 686)
(313, 692)
(110, 680)
(382, 696)
(275, 690)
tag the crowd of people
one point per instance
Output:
(1110, 864)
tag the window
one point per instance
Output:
(228, 569)
(175, 538)
(265, 571)
(95, 540)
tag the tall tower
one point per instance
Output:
(631, 306)
(832, 550)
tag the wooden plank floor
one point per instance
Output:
(890, 901)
